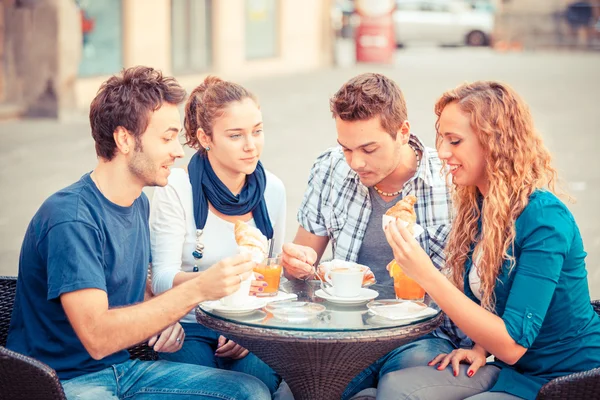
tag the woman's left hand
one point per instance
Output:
(229, 348)
(257, 285)
(408, 252)
(476, 357)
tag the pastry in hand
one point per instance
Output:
(251, 240)
(404, 210)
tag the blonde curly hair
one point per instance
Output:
(517, 164)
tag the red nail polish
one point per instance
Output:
(470, 374)
(456, 374)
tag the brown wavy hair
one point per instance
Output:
(206, 103)
(127, 100)
(518, 163)
(370, 95)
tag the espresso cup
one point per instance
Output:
(346, 282)
(240, 296)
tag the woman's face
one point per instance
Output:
(459, 147)
(237, 140)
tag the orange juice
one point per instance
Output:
(405, 287)
(270, 269)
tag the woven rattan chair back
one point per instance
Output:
(582, 385)
(22, 377)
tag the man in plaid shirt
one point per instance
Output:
(378, 162)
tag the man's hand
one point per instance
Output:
(230, 349)
(169, 340)
(298, 260)
(223, 278)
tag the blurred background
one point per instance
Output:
(294, 55)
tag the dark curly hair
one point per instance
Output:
(126, 100)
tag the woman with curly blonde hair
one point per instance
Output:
(517, 282)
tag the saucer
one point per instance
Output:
(295, 311)
(244, 309)
(364, 296)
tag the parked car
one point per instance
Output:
(444, 22)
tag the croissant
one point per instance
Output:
(404, 210)
(251, 240)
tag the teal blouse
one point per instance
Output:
(544, 301)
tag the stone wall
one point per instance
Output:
(42, 47)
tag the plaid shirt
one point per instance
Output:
(336, 204)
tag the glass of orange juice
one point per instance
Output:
(270, 269)
(405, 287)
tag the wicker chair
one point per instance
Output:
(23, 377)
(582, 385)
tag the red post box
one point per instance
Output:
(375, 41)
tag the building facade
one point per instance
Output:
(82, 42)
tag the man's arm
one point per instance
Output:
(104, 331)
(300, 257)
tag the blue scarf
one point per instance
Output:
(207, 187)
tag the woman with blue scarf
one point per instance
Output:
(192, 218)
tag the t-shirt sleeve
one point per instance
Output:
(547, 233)
(74, 258)
(310, 214)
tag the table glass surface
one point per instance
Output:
(334, 318)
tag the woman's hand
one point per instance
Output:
(230, 349)
(258, 285)
(476, 357)
(408, 252)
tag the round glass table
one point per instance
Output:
(318, 356)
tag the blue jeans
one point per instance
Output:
(199, 348)
(153, 380)
(414, 354)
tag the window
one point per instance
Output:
(102, 37)
(190, 35)
(261, 28)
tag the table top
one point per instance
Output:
(335, 318)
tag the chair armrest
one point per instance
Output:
(23, 377)
(581, 385)
(142, 352)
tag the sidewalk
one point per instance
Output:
(40, 157)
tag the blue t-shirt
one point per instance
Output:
(78, 239)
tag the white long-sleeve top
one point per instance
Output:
(173, 230)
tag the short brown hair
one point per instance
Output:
(206, 103)
(126, 100)
(367, 96)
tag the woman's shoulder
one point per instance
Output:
(545, 208)
(274, 184)
(179, 179)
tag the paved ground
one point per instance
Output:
(40, 157)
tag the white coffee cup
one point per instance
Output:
(240, 296)
(346, 282)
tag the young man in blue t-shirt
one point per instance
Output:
(83, 263)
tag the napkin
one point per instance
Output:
(404, 310)
(280, 297)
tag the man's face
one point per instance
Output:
(158, 147)
(369, 150)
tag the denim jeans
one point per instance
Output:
(414, 354)
(199, 348)
(153, 380)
